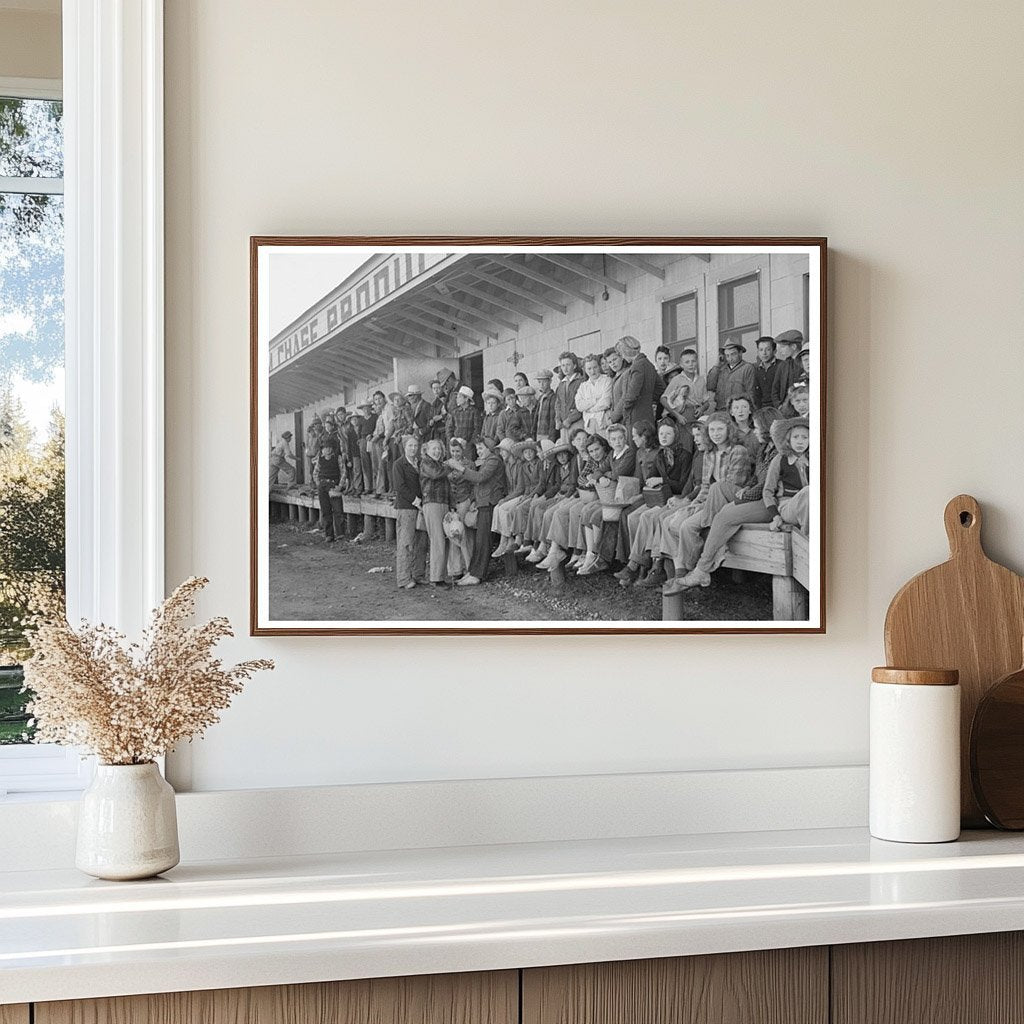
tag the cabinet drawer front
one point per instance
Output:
(778, 986)
(14, 1014)
(960, 979)
(481, 998)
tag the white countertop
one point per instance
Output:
(226, 924)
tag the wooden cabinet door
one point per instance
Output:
(481, 998)
(960, 979)
(14, 1014)
(778, 986)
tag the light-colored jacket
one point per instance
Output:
(594, 399)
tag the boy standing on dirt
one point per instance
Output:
(328, 476)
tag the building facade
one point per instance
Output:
(401, 317)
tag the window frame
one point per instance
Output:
(38, 767)
(721, 332)
(112, 90)
(668, 308)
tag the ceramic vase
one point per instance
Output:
(127, 825)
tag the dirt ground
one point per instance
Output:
(310, 579)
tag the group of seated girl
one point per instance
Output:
(707, 479)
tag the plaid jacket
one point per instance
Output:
(544, 416)
(464, 422)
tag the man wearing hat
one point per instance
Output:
(418, 413)
(636, 387)
(282, 460)
(528, 403)
(449, 388)
(544, 410)
(787, 346)
(735, 377)
(464, 419)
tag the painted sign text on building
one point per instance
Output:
(376, 285)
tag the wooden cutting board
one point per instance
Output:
(967, 614)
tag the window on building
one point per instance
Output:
(739, 311)
(679, 324)
(31, 391)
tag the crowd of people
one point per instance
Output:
(607, 460)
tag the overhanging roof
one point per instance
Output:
(432, 306)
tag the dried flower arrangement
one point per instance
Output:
(130, 703)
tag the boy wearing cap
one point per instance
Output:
(787, 347)
(734, 377)
(544, 411)
(513, 422)
(489, 424)
(328, 476)
(528, 403)
(464, 420)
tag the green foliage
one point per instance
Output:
(31, 524)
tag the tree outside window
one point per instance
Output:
(31, 385)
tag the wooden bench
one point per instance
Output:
(755, 548)
(305, 508)
(783, 556)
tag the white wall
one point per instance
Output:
(30, 43)
(894, 129)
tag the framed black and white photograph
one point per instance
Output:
(537, 435)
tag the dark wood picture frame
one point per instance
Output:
(445, 629)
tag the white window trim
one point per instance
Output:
(32, 88)
(113, 159)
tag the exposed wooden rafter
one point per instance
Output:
(542, 278)
(501, 302)
(511, 286)
(455, 319)
(592, 275)
(480, 314)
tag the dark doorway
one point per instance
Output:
(471, 373)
